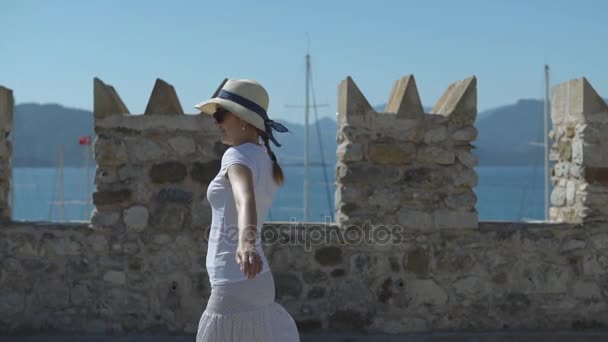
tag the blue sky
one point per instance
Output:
(51, 50)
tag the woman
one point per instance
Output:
(242, 304)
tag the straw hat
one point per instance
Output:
(248, 100)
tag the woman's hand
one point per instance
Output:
(248, 259)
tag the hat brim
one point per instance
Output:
(210, 106)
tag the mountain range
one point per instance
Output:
(508, 135)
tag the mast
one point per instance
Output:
(308, 91)
(546, 135)
(306, 110)
(87, 194)
(62, 199)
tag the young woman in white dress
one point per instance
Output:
(242, 304)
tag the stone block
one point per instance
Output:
(466, 134)
(467, 158)
(586, 290)
(314, 276)
(105, 218)
(471, 286)
(571, 192)
(459, 102)
(385, 199)
(169, 216)
(463, 201)
(417, 261)
(98, 242)
(327, 256)
(415, 219)
(107, 198)
(435, 135)
(115, 277)
(437, 155)
(575, 100)
(353, 107)
(464, 177)
(163, 100)
(109, 151)
(183, 146)
(366, 173)
(174, 196)
(404, 99)
(426, 292)
(350, 152)
(106, 101)
(558, 196)
(105, 175)
(145, 150)
(391, 153)
(168, 172)
(135, 218)
(447, 219)
(288, 285)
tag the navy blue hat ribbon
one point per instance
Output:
(269, 124)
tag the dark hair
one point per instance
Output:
(277, 171)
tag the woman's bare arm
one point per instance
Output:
(241, 181)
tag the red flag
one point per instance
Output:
(85, 140)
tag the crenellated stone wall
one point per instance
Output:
(580, 175)
(138, 266)
(404, 166)
(152, 169)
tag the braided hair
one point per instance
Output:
(277, 171)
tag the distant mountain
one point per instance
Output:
(512, 134)
(292, 150)
(507, 136)
(39, 130)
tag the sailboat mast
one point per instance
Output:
(87, 194)
(62, 197)
(306, 109)
(546, 135)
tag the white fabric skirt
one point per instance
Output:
(246, 311)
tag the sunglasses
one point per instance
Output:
(220, 115)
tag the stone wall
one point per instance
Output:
(138, 266)
(405, 166)
(71, 278)
(498, 276)
(501, 276)
(152, 169)
(580, 175)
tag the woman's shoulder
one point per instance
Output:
(239, 154)
(243, 151)
(235, 152)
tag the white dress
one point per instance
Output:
(246, 312)
(241, 309)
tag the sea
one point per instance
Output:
(504, 193)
